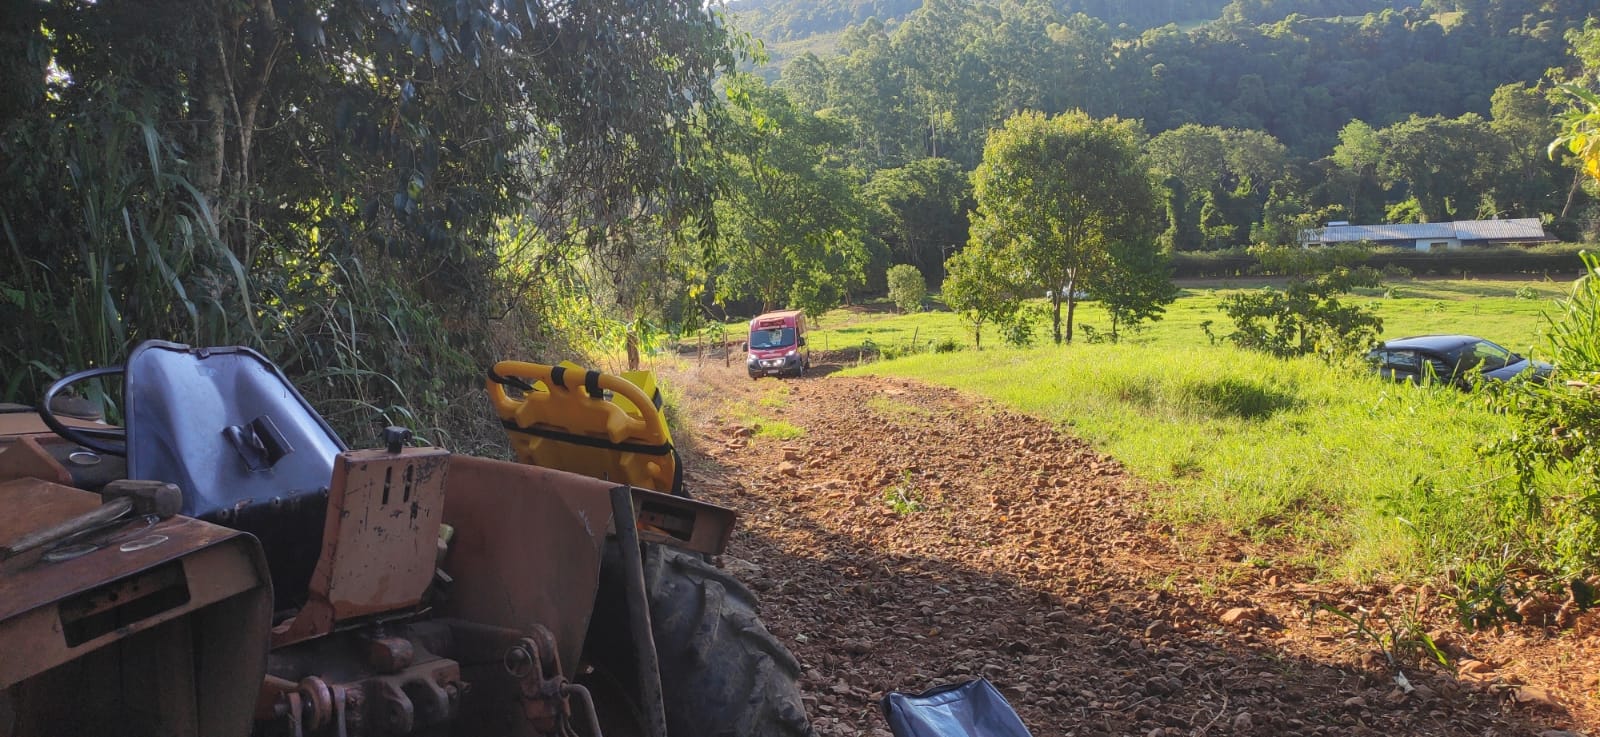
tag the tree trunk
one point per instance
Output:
(266, 41)
(1072, 305)
(212, 121)
(633, 349)
(1072, 302)
(1572, 192)
(1055, 314)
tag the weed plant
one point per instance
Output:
(903, 497)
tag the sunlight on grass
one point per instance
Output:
(776, 396)
(896, 410)
(1352, 475)
(1506, 312)
(775, 429)
(1329, 468)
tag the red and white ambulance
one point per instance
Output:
(777, 345)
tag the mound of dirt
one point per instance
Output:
(912, 536)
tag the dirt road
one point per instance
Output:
(910, 536)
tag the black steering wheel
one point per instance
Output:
(110, 440)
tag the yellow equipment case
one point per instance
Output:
(587, 422)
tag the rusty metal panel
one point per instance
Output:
(24, 457)
(380, 540)
(527, 547)
(33, 504)
(28, 423)
(683, 523)
(54, 612)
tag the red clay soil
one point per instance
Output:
(913, 536)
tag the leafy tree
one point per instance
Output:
(335, 183)
(923, 211)
(1134, 285)
(1448, 165)
(792, 221)
(1306, 317)
(907, 288)
(978, 284)
(1527, 182)
(1351, 181)
(1218, 182)
(1057, 193)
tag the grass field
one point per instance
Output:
(1491, 309)
(1326, 467)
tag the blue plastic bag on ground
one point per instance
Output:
(970, 709)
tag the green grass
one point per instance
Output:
(776, 397)
(898, 411)
(776, 429)
(1345, 473)
(847, 329)
(1490, 309)
(1326, 467)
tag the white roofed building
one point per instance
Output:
(1430, 236)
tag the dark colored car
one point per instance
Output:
(1450, 358)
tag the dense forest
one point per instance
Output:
(1269, 117)
(382, 196)
(1299, 77)
(784, 20)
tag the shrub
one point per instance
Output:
(1018, 329)
(907, 288)
(1395, 263)
(1552, 446)
(1307, 316)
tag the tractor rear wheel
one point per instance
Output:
(722, 673)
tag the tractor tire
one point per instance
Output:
(722, 673)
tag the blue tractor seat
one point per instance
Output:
(248, 451)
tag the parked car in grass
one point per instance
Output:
(1452, 359)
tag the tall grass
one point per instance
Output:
(1330, 468)
(126, 248)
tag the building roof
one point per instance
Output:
(1521, 229)
(1500, 230)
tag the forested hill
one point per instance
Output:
(780, 21)
(1299, 70)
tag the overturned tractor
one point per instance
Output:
(224, 565)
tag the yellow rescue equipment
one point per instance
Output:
(587, 422)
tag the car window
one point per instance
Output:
(773, 338)
(1401, 361)
(1482, 354)
(1490, 356)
